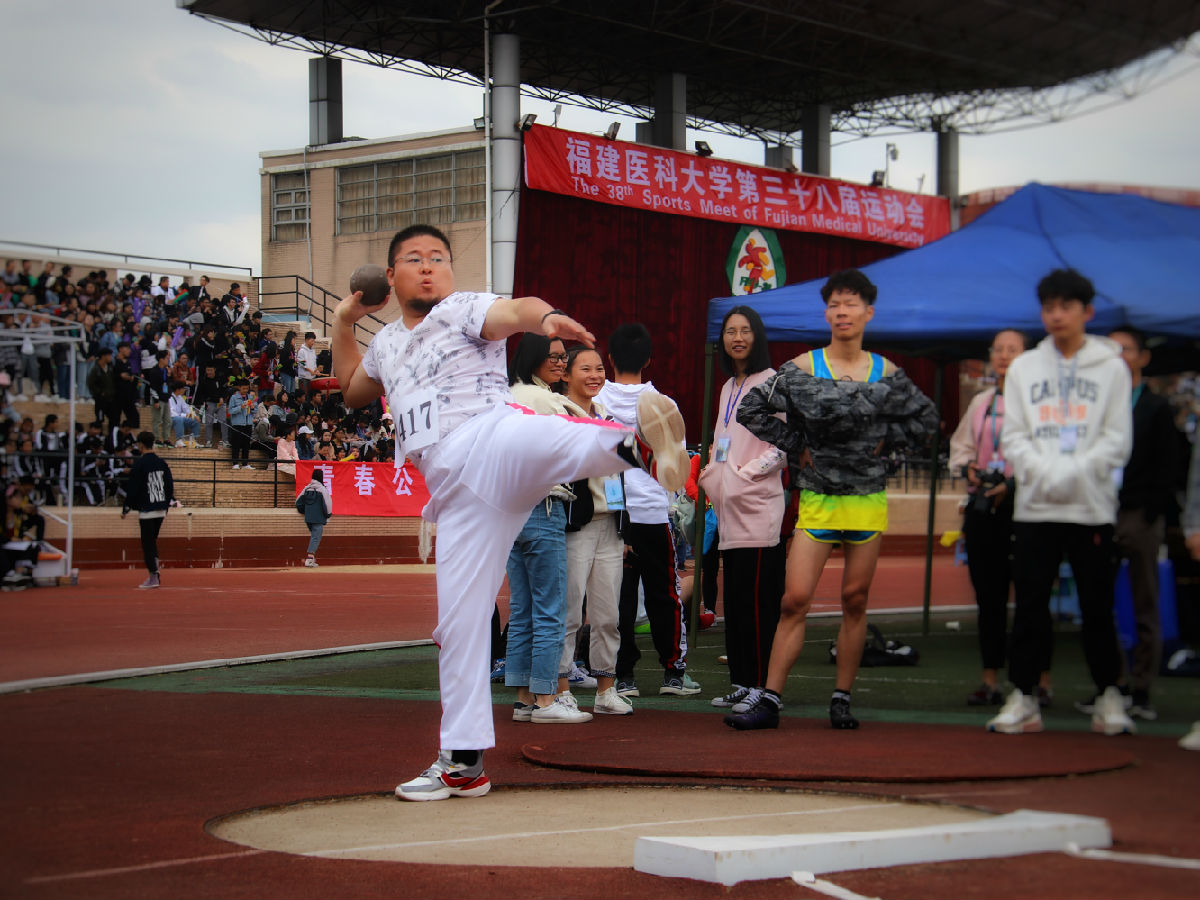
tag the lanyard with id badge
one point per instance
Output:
(721, 447)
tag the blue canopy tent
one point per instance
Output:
(948, 298)
(1142, 255)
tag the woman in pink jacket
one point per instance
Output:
(976, 452)
(743, 481)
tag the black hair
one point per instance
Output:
(146, 439)
(532, 351)
(318, 475)
(176, 385)
(1018, 332)
(760, 350)
(161, 354)
(309, 334)
(851, 281)
(1065, 284)
(1139, 336)
(410, 232)
(50, 419)
(629, 347)
(577, 351)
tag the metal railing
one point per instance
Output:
(51, 478)
(128, 259)
(295, 294)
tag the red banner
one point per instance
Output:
(653, 178)
(368, 488)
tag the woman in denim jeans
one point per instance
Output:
(537, 565)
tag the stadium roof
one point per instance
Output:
(753, 65)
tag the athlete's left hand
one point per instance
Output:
(563, 327)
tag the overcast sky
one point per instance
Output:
(131, 126)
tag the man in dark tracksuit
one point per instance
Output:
(150, 491)
(1146, 494)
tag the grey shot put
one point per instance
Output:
(373, 282)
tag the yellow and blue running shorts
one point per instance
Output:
(845, 519)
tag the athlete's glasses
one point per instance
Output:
(432, 262)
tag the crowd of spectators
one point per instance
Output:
(175, 350)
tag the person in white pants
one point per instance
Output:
(595, 551)
(442, 366)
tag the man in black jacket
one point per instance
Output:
(1146, 493)
(103, 388)
(150, 491)
(210, 397)
(126, 387)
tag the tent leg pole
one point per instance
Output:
(934, 451)
(698, 526)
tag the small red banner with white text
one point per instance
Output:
(622, 173)
(368, 488)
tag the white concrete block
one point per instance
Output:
(730, 859)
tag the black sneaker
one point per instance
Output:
(1141, 708)
(763, 714)
(627, 687)
(985, 696)
(839, 714)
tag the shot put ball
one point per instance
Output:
(372, 281)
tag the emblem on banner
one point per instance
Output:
(755, 261)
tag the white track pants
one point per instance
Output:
(483, 479)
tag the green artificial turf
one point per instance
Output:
(934, 690)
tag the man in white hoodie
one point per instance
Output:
(1068, 431)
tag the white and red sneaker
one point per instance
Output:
(447, 779)
(657, 445)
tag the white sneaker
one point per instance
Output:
(1018, 715)
(1191, 740)
(579, 678)
(446, 779)
(752, 697)
(660, 430)
(1109, 716)
(523, 712)
(41, 398)
(236, 466)
(563, 711)
(180, 444)
(610, 703)
(20, 398)
(310, 563)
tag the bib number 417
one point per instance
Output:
(416, 421)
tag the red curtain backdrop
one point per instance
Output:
(606, 265)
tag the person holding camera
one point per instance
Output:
(976, 452)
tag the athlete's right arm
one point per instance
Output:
(358, 388)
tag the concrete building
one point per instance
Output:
(327, 210)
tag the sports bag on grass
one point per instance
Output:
(881, 652)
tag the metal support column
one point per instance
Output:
(669, 128)
(947, 169)
(815, 133)
(324, 101)
(504, 110)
